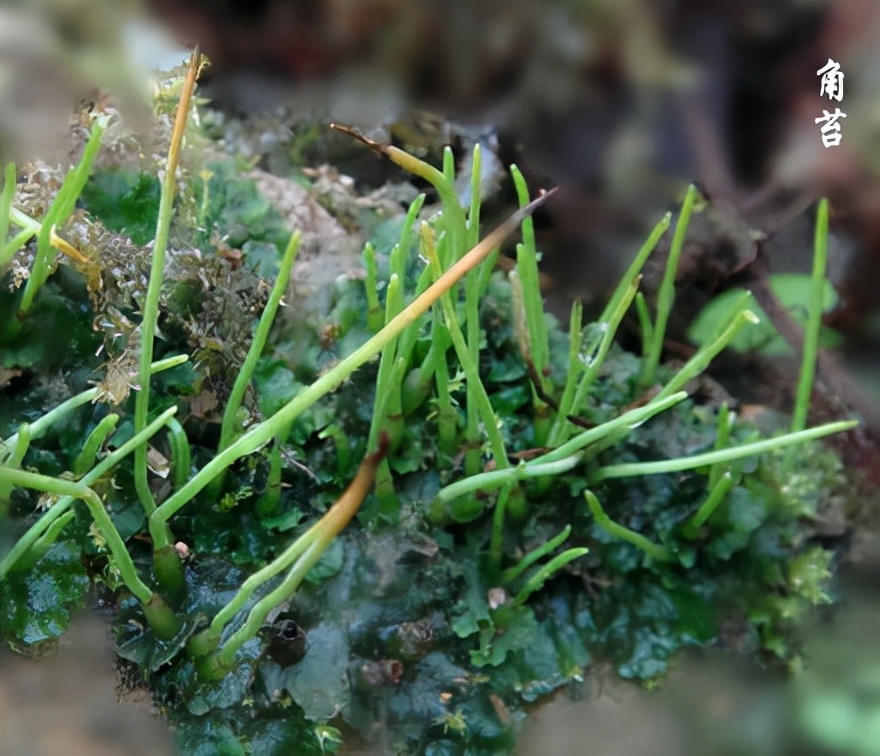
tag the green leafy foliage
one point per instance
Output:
(35, 605)
(232, 205)
(361, 667)
(793, 291)
(58, 330)
(276, 730)
(126, 200)
(430, 630)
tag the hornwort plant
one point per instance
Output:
(490, 440)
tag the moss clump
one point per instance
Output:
(537, 499)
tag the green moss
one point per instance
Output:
(441, 613)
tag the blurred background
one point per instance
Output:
(620, 103)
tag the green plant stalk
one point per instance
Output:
(489, 481)
(30, 227)
(511, 574)
(666, 294)
(86, 458)
(43, 543)
(472, 462)
(416, 388)
(546, 571)
(400, 252)
(442, 331)
(21, 443)
(8, 250)
(655, 551)
(457, 231)
(181, 456)
(722, 439)
(394, 304)
(439, 346)
(36, 531)
(645, 325)
(517, 504)
(622, 423)
(814, 320)
(15, 456)
(151, 302)
(60, 210)
(609, 439)
(167, 363)
(267, 506)
(635, 267)
(6, 198)
(341, 444)
(518, 317)
(610, 329)
(392, 411)
(533, 306)
(559, 460)
(205, 203)
(257, 615)
(453, 214)
(24, 221)
(42, 424)
(207, 641)
(37, 428)
(229, 424)
(124, 563)
(527, 268)
(473, 220)
(261, 433)
(447, 416)
(302, 554)
(264, 326)
(448, 165)
(496, 542)
(389, 420)
(719, 490)
(473, 398)
(704, 356)
(595, 351)
(371, 281)
(168, 571)
(161, 617)
(406, 345)
(483, 412)
(487, 269)
(387, 406)
(632, 469)
(542, 417)
(566, 401)
(452, 219)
